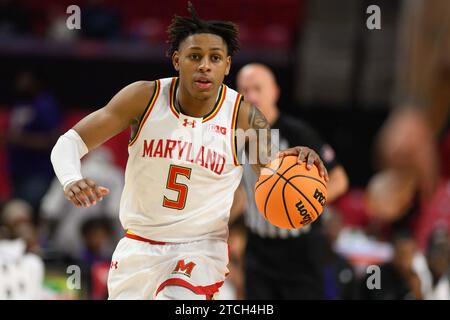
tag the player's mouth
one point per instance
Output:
(203, 83)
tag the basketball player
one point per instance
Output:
(273, 271)
(178, 191)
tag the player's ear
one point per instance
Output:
(227, 70)
(176, 60)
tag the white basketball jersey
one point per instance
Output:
(182, 171)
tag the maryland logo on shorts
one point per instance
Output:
(183, 268)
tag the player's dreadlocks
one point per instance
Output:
(183, 27)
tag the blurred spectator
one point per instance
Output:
(17, 221)
(99, 21)
(340, 282)
(14, 18)
(34, 127)
(57, 26)
(438, 258)
(280, 263)
(98, 246)
(64, 220)
(399, 280)
(97, 235)
(21, 272)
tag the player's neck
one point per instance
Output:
(193, 107)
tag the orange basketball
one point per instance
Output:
(288, 195)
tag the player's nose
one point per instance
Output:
(204, 64)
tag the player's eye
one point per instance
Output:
(216, 58)
(195, 56)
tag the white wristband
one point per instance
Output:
(66, 155)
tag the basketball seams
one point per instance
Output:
(286, 211)
(304, 176)
(315, 179)
(271, 189)
(288, 181)
(279, 166)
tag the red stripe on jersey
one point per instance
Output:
(172, 97)
(147, 111)
(138, 238)
(234, 126)
(223, 95)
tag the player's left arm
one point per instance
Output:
(249, 117)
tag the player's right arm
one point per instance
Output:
(249, 117)
(122, 111)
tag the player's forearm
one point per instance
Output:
(66, 156)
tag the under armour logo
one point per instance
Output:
(187, 122)
(114, 265)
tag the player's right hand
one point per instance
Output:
(85, 193)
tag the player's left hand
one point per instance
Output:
(308, 155)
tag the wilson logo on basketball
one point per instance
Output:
(306, 218)
(318, 195)
(185, 269)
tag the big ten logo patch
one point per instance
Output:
(318, 195)
(306, 218)
(217, 129)
(184, 268)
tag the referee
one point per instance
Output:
(280, 263)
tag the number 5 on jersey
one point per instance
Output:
(181, 188)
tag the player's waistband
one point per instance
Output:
(131, 235)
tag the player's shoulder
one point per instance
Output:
(146, 87)
(140, 87)
(137, 93)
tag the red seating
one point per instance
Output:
(264, 23)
